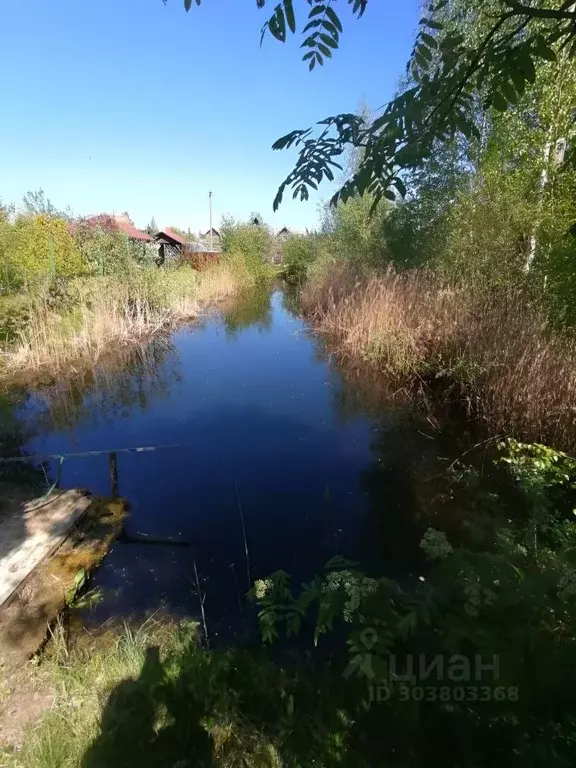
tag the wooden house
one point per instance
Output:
(170, 245)
(173, 246)
(214, 233)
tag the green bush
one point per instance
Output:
(15, 312)
(356, 233)
(298, 253)
(40, 247)
(108, 251)
(247, 249)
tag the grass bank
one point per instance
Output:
(154, 697)
(73, 324)
(466, 662)
(494, 349)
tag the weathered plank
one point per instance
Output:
(30, 532)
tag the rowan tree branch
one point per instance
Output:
(542, 13)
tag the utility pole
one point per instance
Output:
(211, 233)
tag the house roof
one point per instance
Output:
(172, 235)
(121, 223)
(214, 232)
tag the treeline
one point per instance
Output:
(463, 292)
(492, 208)
(490, 216)
(39, 244)
(73, 289)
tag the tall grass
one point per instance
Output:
(153, 697)
(79, 682)
(495, 346)
(99, 314)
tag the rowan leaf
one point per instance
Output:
(290, 18)
(333, 16)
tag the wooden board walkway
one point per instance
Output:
(31, 531)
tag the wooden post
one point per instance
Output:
(114, 474)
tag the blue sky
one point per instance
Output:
(113, 105)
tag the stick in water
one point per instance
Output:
(233, 567)
(245, 539)
(201, 598)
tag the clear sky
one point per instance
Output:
(114, 105)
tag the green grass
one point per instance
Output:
(153, 697)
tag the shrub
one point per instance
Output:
(357, 233)
(15, 313)
(108, 251)
(40, 247)
(247, 249)
(298, 253)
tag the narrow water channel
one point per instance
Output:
(265, 425)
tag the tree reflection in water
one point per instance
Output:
(415, 439)
(130, 379)
(253, 308)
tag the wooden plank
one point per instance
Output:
(30, 532)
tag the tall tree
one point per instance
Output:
(446, 73)
(152, 228)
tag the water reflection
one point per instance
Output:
(414, 439)
(250, 309)
(254, 402)
(131, 379)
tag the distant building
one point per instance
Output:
(211, 232)
(171, 245)
(174, 246)
(283, 234)
(211, 240)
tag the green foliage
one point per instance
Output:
(108, 251)
(152, 228)
(298, 253)
(356, 231)
(37, 204)
(40, 251)
(504, 589)
(41, 247)
(497, 205)
(546, 478)
(446, 71)
(321, 32)
(247, 249)
(15, 310)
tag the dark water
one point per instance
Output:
(261, 416)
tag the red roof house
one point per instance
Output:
(119, 223)
(169, 234)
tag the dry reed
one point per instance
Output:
(108, 313)
(495, 347)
